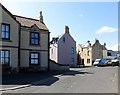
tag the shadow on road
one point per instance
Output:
(73, 73)
(28, 78)
(44, 78)
(46, 82)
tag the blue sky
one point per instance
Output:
(86, 20)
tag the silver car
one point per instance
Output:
(100, 62)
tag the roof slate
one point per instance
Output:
(28, 22)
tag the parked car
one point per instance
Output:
(100, 62)
(113, 62)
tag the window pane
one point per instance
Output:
(7, 35)
(32, 61)
(34, 38)
(32, 56)
(36, 35)
(7, 27)
(52, 51)
(3, 27)
(2, 60)
(3, 34)
(6, 60)
(72, 50)
(36, 55)
(32, 41)
(36, 41)
(2, 54)
(64, 39)
(6, 53)
(32, 35)
(36, 61)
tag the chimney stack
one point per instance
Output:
(66, 29)
(96, 40)
(104, 44)
(41, 17)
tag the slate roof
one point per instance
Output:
(91, 43)
(28, 22)
(104, 48)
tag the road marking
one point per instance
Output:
(17, 87)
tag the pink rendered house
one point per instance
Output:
(63, 49)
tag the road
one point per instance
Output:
(77, 80)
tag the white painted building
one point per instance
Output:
(63, 49)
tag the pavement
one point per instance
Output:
(21, 80)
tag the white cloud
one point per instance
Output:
(113, 47)
(107, 29)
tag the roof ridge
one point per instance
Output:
(26, 17)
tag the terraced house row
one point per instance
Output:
(25, 46)
(24, 42)
(90, 51)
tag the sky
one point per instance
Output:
(86, 20)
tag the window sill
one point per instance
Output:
(5, 40)
(34, 64)
(5, 66)
(35, 45)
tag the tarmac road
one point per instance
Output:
(83, 80)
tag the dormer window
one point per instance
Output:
(5, 31)
(34, 38)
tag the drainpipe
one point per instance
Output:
(48, 51)
(19, 47)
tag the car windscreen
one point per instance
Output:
(98, 60)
